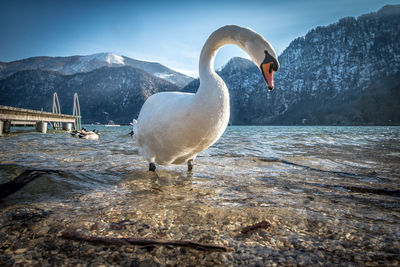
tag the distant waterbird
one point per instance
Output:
(93, 135)
(134, 127)
(173, 127)
(75, 133)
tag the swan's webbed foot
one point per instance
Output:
(152, 167)
(190, 165)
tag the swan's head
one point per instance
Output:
(263, 55)
(260, 50)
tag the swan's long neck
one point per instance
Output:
(211, 104)
(225, 35)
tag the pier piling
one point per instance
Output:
(41, 126)
(67, 126)
(7, 126)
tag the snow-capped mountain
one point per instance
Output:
(344, 73)
(106, 94)
(76, 64)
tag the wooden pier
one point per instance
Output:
(14, 116)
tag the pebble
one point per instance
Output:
(20, 250)
(43, 231)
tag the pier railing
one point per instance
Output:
(56, 110)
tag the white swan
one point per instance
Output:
(173, 127)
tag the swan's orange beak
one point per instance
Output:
(268, 74)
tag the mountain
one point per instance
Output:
(160, 71)
(345, 73)
(332, 70)
(107, 94)
(77, 64)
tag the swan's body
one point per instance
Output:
(174, 127)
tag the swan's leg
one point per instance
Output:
(152, 167)
(190, 164)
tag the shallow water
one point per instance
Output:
(331, 195)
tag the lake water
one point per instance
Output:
(330, 194)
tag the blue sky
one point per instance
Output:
(169, 32)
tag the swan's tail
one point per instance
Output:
(133, 133)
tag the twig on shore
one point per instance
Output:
(261, 225)
(142, 242)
